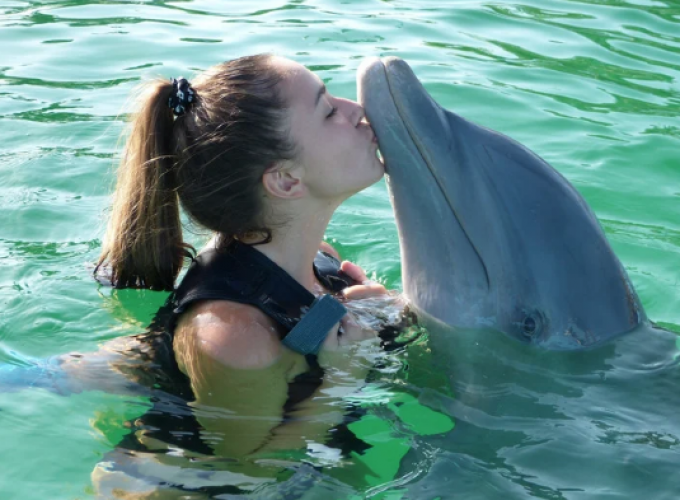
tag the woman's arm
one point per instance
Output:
(239, 373)
(346, 360)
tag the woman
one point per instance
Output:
(259, 152)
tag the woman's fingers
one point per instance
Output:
(369, 289)
(353, 271)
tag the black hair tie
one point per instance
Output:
(182, 96)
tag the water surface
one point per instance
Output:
(591, 86)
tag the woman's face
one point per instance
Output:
(336, 146)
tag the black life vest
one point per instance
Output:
(243, 274)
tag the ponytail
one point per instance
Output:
(143, 247)
(210, 159)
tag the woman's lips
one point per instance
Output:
(370, 129)
(373, 137)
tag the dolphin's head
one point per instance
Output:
(490, 234)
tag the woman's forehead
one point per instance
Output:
(301, 86)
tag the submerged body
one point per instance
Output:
(531, 422)
(559, 385)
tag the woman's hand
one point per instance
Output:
(345, 334)
(349, 331)
(367, 288)
(347, 355)
(348, 338)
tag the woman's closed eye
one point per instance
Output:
(333, 111)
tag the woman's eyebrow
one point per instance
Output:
(322, 91)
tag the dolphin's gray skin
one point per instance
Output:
(490, 234)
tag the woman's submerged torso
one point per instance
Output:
(222, 412)
(188, 437)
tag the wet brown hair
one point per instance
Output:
(210, 160)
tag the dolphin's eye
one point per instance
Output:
(529, 326)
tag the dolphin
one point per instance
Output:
(490, 234)
(538, 345)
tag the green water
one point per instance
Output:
(592, 86)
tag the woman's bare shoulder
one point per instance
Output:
(235, 361)
(237, 335)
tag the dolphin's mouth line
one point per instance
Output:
(434, 176)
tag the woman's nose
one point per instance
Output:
(353, 111)
(358, 113)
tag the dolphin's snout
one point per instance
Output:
(367, 64)
(397, 65)
(371, 73)
(390, 62)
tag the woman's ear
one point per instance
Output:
(284, 181)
